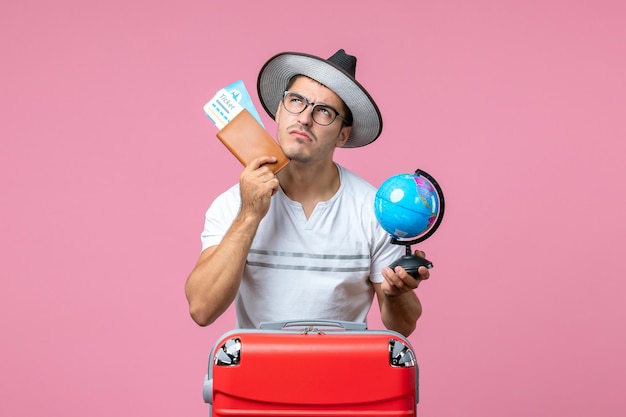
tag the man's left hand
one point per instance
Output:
(398, 281)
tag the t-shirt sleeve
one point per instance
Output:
(220, 216)
(384, 253)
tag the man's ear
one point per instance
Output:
(344, 133)
(278, 111)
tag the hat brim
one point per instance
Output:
(273, 78)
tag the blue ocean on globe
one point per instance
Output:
(406, 205)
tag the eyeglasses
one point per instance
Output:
(323, 114)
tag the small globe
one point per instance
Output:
(407, 205)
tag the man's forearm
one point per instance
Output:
(400, 313)
(213, 284)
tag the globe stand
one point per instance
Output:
(409, 261)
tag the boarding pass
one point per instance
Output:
(228, 102)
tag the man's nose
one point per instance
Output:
(306, 117)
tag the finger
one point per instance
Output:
(424, 273)
(403, 280)
(262, 160)
(274, 183)
(391, 277)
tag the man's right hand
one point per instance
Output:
(257, 185)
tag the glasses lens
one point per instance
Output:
(294, 103)
(324, 115)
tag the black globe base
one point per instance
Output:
(409, 261)
(411, 264)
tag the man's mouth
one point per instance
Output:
(301, 134)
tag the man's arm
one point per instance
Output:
(400, 308)
(213, 284)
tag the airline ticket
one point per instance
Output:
(228, 102)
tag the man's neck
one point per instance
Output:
(309, 184)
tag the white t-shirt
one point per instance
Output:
(316, 268)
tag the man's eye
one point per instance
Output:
(325, 111)
(294, 98)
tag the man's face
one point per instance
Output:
(301, 138)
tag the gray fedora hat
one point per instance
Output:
(336, 73)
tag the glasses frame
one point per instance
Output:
(313, 106)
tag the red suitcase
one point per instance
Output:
(314, 369)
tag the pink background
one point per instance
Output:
(108, 163)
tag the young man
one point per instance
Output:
(305, 243)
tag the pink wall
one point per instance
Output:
(108, 163)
